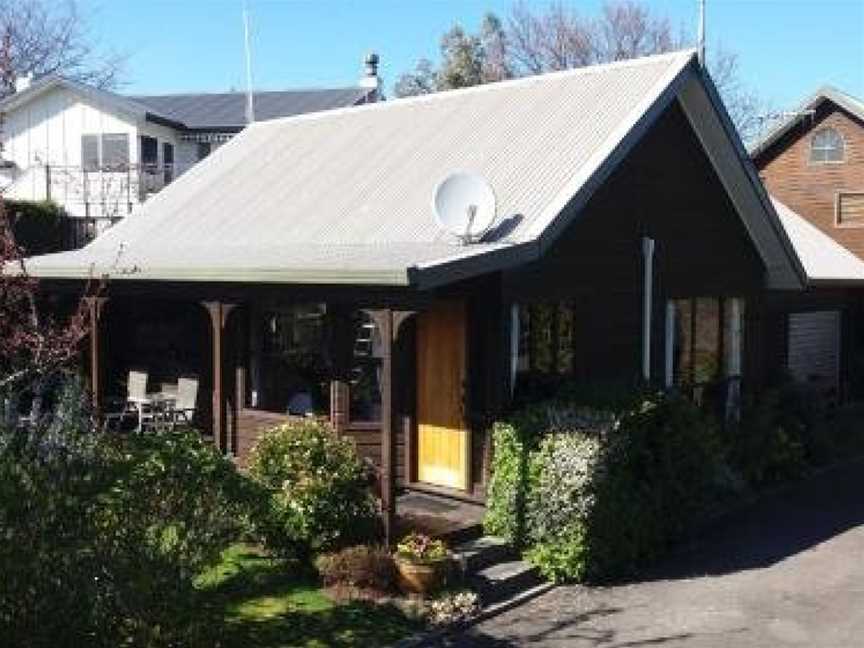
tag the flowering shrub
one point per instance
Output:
(453, 608)
(419, 548)
(319, 490)
(591, 494)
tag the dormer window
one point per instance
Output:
(826, 145)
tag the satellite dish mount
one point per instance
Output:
(464, 205)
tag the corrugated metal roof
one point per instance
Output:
(847, 102)
(228, 109)
(823, 258)
(210, 111)
(287, 191)
(124, 104)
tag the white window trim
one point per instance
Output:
(811, 161)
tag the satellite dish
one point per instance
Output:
(464, 205)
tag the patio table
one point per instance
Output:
(156, 401)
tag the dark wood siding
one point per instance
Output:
(667, 190)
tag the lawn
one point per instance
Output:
(257, 601)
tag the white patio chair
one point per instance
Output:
(136, 403)
(185, 404)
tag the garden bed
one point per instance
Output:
(254, 600)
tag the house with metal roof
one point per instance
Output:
(101, 154)
(813, 165)
(300, 270)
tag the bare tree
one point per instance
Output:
(557, 37)
(744, 105)
(42, 37)
(33, 345)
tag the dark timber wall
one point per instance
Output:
(668, 190)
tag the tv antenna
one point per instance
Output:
(247, 48)
(464, 205)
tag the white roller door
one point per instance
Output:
(814, 347)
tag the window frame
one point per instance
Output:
(838, 220)
(812, 148)
(101, 165)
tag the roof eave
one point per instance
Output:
(783, 271)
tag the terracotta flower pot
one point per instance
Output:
(420, 577)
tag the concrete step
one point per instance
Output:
(504, 580)
(482, 552)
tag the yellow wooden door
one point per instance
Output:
(443, 442)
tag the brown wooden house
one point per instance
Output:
(813, 162)
(300, 267)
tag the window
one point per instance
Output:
(850, 208)
(168, 161)
(149, 152)
(826, 145)
(546, 338)
(290, 365)
(90, 152)
(697, 341)
(109, 152)
(115, 151)
(704, 349)
(365, 374)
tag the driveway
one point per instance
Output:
(788, 572)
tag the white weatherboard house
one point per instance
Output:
(100, 154)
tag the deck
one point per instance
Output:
(438, 516)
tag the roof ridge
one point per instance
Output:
(586, 70)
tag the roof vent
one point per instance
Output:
(370, 78)
(23, 82)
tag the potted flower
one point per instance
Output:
(420, 563)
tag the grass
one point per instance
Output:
(255, 601)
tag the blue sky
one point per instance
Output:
(786, 48)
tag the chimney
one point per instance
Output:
(23, 82)
(370, 78)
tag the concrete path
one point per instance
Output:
(788, 572)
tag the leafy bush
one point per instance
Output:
(363, 566)
(319, 490)
(780, 433)
(593, 494)
(37, 226)
(103, 536)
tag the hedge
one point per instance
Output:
(590, 494)
(38, 226)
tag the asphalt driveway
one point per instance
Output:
(788, 572)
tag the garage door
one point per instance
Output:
(814, 347)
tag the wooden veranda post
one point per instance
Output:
(218, 312)
(389, 323)
(384, 319)
(95, 306)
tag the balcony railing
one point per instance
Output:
(78, 231)
(103, 193)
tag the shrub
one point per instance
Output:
(592, 494)
(104, 536)
(319, 490)
(784, 431)
(363, 566)
(37, 226)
